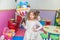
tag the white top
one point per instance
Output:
(33, 24)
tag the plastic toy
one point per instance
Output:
(12, 24)
(57, 19)
(42, 22)
(2, 37)
(48, 22)
(8, 34)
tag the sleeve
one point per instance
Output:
(40, 25)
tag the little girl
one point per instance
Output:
(32, 31)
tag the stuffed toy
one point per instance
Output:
(7, 34)
(11, 24)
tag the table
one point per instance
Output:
(52, 29)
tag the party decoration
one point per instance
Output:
(22, 6)
(21, 11)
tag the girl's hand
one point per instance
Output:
(43, 31)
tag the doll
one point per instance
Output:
(7, 34)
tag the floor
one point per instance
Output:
(19, 34)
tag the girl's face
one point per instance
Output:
(32, 16)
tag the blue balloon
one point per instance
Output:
(26, 3)
(23, 4)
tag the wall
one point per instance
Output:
(48, 14)
(44, 4)
(7, 11)
(7, 4)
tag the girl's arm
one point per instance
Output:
(40, 27)
(39, 24)
(25, 25)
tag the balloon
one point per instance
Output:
(23, 4)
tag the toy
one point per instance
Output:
(48, 22)
(8, 34)
(2, 37)
(21, 11)
(57, 19)
(12, 24)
